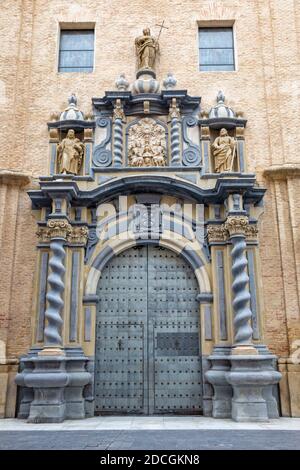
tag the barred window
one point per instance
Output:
(216, 49)
(76, 50)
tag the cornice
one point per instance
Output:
(282, 172)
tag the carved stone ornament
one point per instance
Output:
(252, 232)
(174, 111)
(217, 233)
(57, 228)
(118, 111)
(237, 225)
(146, 144)
(78, 235)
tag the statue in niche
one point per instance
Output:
(70, 154)
(224, 149)
(146, 50)
(146, 144)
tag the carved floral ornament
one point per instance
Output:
(234, 225)
(62, 229)
(146, 144)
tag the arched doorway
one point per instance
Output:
(148, 353)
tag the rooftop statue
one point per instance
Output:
(147, 48)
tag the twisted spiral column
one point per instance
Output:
(241, 295)
(237, 226)
(118, 118)
(175, 142)
(118, 142)
(56, 232)
(174, 116)
(56, 284)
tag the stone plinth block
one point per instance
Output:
(78, 378)
(222, 390)
(57, 383)
(251, 378)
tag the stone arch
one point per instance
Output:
(115, 246)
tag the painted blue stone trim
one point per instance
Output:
(222, 300)
(74, 296)
(102, 156)
(103, 258)
(87, 162)
(42, 296)
(192, 258)
(191, 155)
(91, 243)
(241, 155)
(206, 156)
(205, 298)
(207, 323)
(147, 241)
(90, 299)
(53, 159)
(188, 177)
(156, 183)
(253, 299)
(87, 324)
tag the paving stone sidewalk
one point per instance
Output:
(150, 440)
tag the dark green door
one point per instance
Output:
(147, 358)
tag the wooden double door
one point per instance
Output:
(147, 358)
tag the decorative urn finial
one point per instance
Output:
(122, 83)
(170, 81)
(72, 112)
(220, 97)
(220, 110)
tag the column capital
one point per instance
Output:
(237, 225)
(217, 233)
(118, 112)
(60, 228)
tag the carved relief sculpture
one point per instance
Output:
(70, 154)
(146, 50)
(146, 144)
(224, 149)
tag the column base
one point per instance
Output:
(216, 376)
(57, 383)
(251, 377)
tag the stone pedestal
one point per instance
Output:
(57, 383)
(250, 377)
(78, 377)
(222, 390)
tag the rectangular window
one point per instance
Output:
(216, 49)
(76, 50)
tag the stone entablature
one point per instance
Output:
(208, 146)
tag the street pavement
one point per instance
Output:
(151, 433)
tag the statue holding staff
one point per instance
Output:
(147, 48)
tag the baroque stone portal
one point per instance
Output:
(223, 150)
(70, 154)
(146, 144)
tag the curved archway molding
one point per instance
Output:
(191, 252)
